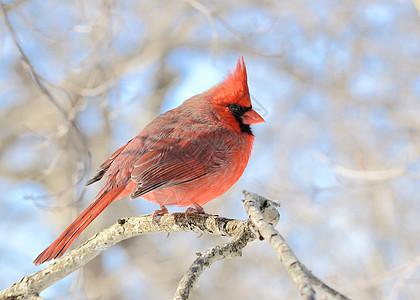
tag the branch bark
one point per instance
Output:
(228, 250)
(30, 286)
(303, 278)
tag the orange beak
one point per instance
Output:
(252, 117)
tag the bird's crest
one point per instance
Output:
(234, 89)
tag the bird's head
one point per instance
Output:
(232, 101)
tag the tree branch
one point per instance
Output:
(302, 277)
(30, 286)
(228, 250)
(263, 216)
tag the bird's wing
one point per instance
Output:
(172, 161)
(105, 166)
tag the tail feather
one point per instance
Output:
(63, 242)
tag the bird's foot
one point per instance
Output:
(195, 209)
(157, 214)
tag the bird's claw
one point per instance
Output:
(157, 214)
(195, 209)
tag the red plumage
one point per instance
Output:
(186, 156)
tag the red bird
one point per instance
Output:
(186, 156)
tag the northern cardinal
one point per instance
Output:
(186, 156)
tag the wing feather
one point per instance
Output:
(105, 166)
(170, 164)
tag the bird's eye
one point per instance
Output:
(235, 108)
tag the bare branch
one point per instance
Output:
(263, 217)
(32, 285)
(229, 250)
(302, 277)
(207, 258)
(212, 17)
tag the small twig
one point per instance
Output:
(212, 16)
(30, 286)
(380, 279)
(302, 277)
(206, 259)
(228, 250)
